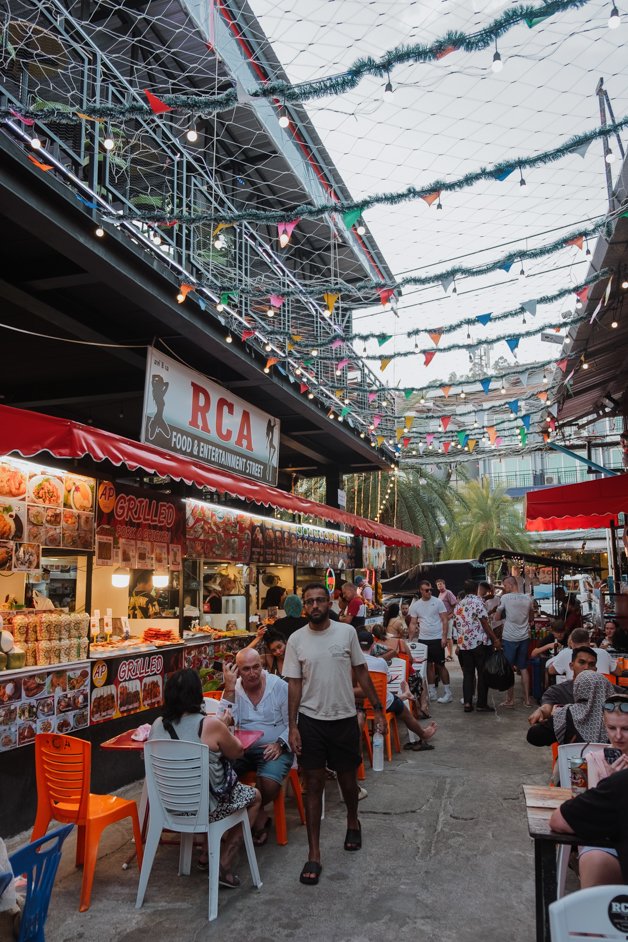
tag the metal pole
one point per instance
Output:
(587, 461)
(613, 560)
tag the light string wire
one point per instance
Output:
(499, 172)
(417, 53)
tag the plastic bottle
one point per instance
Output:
(378, 752)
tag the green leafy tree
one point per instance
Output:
(485, 517)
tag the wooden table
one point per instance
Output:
(541, 801)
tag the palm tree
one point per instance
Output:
(485, 518)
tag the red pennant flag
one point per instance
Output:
(39, 164)
(246, 334)
(303, 387)
(167, 225)
(446, 446)
(583, 294)
(552, 424)
(445, 420)
(429, 357)
(578, 242)
(406, 442)
(445, 52)
(562, 365)
(431, 197)
(386, 295)
(545, 436)
(157, 106)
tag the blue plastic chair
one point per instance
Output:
(40, 866)
(5, 879)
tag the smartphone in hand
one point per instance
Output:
(611, 754)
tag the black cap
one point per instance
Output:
(365, 638)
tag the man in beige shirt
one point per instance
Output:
(320, 663)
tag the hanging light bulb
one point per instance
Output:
(585, 365)
(609, 156)
(545, 379)
(588, 251)
(297, 372)
(35, 143)
(614, 324)
(454, 290)
(180, 297)
(523, 320)
(270, 312)
(497, 65)
(310, 395)
(388, 86)
(109, 142)
(315, 352)
(624, 284)
(522, 181)
(100, 232)
(468, 333)
(503, 389)
(267, 369)
(416, 344)
(268, 347)
(220, 242)
(463, 394)
(229, 338)
(578, 304)
(439, 205)
(284, 120)
(157, 239)
(220, 306)
(284, 238)
(363, 349)
(361, 228)
(614, 20)
(522, 270)
(192, 134)
(422, 400)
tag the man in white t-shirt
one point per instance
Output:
(560, 665)
(428, 617)
(516, 610)
(320, 662)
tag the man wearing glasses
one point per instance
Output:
(320, 663)
(429, 615)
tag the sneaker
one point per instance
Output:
(446, 698)
(431, 691)
(362, 793)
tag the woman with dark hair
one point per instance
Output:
(275, 644)
(391, 611)
(183, 717)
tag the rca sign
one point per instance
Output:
(187, 413)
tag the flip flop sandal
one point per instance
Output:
(260, 837)
(422, 746)
(353, 838)
(311, 873)
(230, 880)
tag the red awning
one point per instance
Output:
(589, 505)
(30, 433)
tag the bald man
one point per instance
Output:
(259, 700)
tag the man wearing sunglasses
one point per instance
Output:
(601, 813)
(320, 663)
(429, 616)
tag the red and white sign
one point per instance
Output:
(189, 414)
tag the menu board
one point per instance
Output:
(121, 686)
(138, 528)
(40, 507)
(219, 533)
(46, 701)
(373, 553)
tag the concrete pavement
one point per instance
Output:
(446, 857)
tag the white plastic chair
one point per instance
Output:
(177, 776)
(566, 752)
(419, 658)
(600, 912)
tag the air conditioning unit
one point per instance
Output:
(550, 479)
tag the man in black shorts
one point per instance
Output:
(428, 618)
(319, 664)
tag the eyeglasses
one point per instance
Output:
(319, 600)
(621, 707)
(425, 589)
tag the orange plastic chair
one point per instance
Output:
(380, 683)
(279, 804)
(213, 694)
(63, 771)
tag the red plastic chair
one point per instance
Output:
(63, 770)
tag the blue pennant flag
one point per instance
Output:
(506, 266)
(483, 318)
(504, 174)
(526, 422)
(513, 405)
(89, 203)
(201, 304)
(513, 343)
(485, 384)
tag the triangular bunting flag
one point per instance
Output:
(532, 21)
(336, 343)
(485, 384)
(513, 343)
(607, 293)
(246, 334)
(380, 440)
(483, 318)
(429, 357)
(384, 362)
(525, 377)
(38, 163)
(89, 203)
(386, 295)
(276, 300)
(513, 405)
(526, 422)
(446, 390)
(596, 311)
(406, 442)
(184, 290)
(345, 411)
(506, 266)
(351, 217)
(523, 435)
(529, 307)
(542, 395)
(429, 438)
(562, 365)
(583, 294)
(157, 106)
(445, 420)
(289, 346)
(399, 432)
(330, 301)
(271, 362)
(372, 396)
(446, 447)
(342, 363)
(503, 174)
(446, 283)
(303, 387)
(581, 149)
(407, 393)
(382, 340)
(409, 419)
(376, 420)
(472, 442)
(499, 441)
(462, 438)
(430, 198)
(545, 436)
(578, 242)
(491, 431)
(435, 336)
(552, 424)
(444, 52)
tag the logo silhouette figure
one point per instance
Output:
(157, 423)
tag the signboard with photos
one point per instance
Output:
(138, 528)
(188, 414)
(46, 701)
(41, 507)
(122, 686)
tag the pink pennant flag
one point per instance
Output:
(376, 420)
(429, 356)
(429, 439)
(342, 364)
(29, 122)
(583, 294)
(336, 343)
(552, 424)
(372, 397)
(445, 420)
(499, 441)
(562, 365)
(276, 300)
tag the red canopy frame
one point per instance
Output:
(30, 433)
(588, 505)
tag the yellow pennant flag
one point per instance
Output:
(409, 420)
(220, 227)
(399, 432)
(491, 431)
(384, 362)
(446, 390)
(380, 440)
(297, 337)
(289, 346)
(88, 117)
(472, 443)
(330, 301)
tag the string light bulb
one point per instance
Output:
(109, 143)
(522, 181)
(100, 232)
(315, 352)
(35, 143)
(268, 347)
(192, 135)
(609, 156)
(585, 365)
(614, 324)
(284, 120)
(503, 389)
(388, 87)
(614, 20)
(220, 306)
(229, 338)
(497, 65)
(361, 228)
(545, 379)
